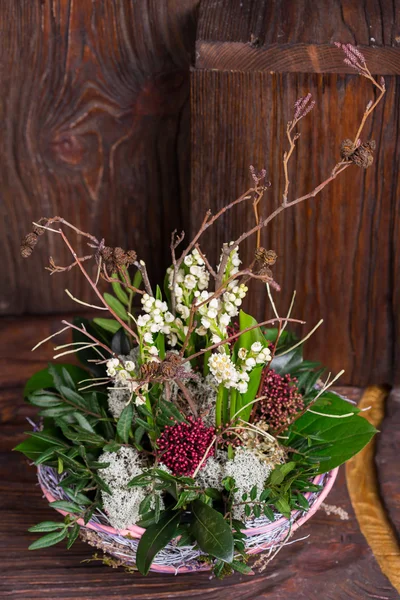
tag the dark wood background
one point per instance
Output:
(339, 251)
(96, 126)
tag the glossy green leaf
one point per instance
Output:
(116, 306)
(249, 337)
(344, 436)
(125, 422)
(110, 325)
(66, 506)
(119, 290)
(46, 526)
(73, 397)
(49, 540)
(43, 379)
(155, 538)
(212, 532)
(73, 535)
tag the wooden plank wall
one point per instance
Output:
(95, 127)
(340, 251)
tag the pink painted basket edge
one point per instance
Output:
(137, 532)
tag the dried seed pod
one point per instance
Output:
(28, 244)
(346, 149)
(149, 370)
(363, 155)
(39, 230)
(266, 257)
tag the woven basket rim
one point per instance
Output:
(136, 532)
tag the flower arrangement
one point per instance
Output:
(191, 422)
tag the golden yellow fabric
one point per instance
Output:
(363, 486)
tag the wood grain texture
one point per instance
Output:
(94, 107)
(332, 563)
(340, 251)
(367, 23)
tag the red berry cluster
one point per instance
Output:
(283, 400)
(183, 446)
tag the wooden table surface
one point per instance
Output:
(334, 562)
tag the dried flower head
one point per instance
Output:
(183, 446)
(302, 107)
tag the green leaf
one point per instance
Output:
(32, 448)
(344, 436)
(68, 379)
(44, 400)
(137, 280)
(249, 396)
(287, 362)
(248, 338)
(73, 397)
(110, 325)
(155, 538)
(48, 540)
(43, 379)
(46, 456)
(119, 291)
(83, 422)
(280, 472)
(212, 532)
(120, 343)
(116, 306)
(283, 507)
(268, 512)
(57, 411)
(253, 492)
(73, 535)
(46, 526)
(125, 422)
(66, 506)
(240, 567)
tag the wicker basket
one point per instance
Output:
(262, 534)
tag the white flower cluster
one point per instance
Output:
(225, 372)
(217, 314)
(156, 319)
(191, 279)
(123, 373)
(257, 355)
(233, 264)
(236, 376)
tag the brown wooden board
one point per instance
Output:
(95, 127)
(340, 250)
(332, 563)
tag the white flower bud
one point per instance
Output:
(148, 338)
(256, 347)
(153, 350)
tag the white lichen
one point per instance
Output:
(213, 473)
(248, 471)
(122, 506)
